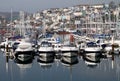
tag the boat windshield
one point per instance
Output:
(91, 44)
(46, 44)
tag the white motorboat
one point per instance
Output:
(45, 47)
(108, 48)
(5, 43)
(112, 46)
(24, 48)
(15, 45)
(51, 40)
(69, 48)
(57, 47)
(92, 47)
(93, 54)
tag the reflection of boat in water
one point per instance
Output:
(69, 60)
(46, 59)
(93, 54)
(46, 54)
(24, 57)
(24, 66)
(25, 62)
(91, 61)
(45, 62)
(69, 54)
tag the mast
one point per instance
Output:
(11, 19)
(11, 15)
(22, 26)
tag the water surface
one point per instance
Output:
(99, 69)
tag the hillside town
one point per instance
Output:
(82, 21)
(77, 43)
(98, 18)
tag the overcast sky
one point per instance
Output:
(36, 5)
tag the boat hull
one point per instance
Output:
(92, 50)
(69, 49)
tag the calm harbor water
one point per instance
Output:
(78, 69)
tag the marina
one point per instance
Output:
(27, 61)
(77, 43)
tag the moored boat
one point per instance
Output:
(69, 48)
(45, 47)
(57, 47)
(24, 48)
(112, 48)
(92, 47)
